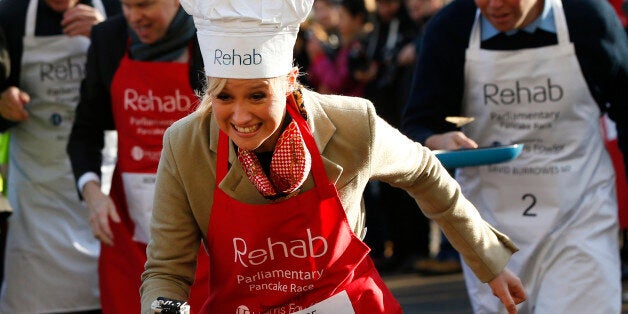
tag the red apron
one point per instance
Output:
(297, 255)
(147, 97)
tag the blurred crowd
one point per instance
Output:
(368, 49)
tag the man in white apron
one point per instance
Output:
(51, 254)
(525, 81)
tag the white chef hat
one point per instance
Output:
(247, 38)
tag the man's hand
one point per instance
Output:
(450, 141)
(508, 288)
(12, 102)
(79, 20)
(101, 209)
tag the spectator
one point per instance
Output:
(400, 236)
(420, 11)
(322, 25)
(334, 73)
(446, 260)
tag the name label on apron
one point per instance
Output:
(337, 304)
(139, 189)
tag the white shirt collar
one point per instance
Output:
(545, 22)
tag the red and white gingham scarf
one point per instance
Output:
(289, 165)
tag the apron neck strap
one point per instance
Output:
(31, 18)
(222, 161)
(318, 169)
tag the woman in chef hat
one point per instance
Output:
(270, 175)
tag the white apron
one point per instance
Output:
(557, 200)
(51, 254)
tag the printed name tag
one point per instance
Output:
(337, 304)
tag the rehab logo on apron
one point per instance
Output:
(144, 106)
(294, 256)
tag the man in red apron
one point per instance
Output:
(270, 177)
(139, 82)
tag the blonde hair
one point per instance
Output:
(216, 84)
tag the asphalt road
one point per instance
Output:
(438, 294)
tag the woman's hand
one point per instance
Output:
(450, 141)
(508, 288)
(101, 209)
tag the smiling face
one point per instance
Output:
(251, 111)
(507, 15)
(149, 19)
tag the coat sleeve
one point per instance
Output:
(93, 114)
(405, 164)
(175, 234)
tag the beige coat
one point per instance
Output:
(357, 146)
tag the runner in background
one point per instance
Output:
(534, 72)
(143, 69)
